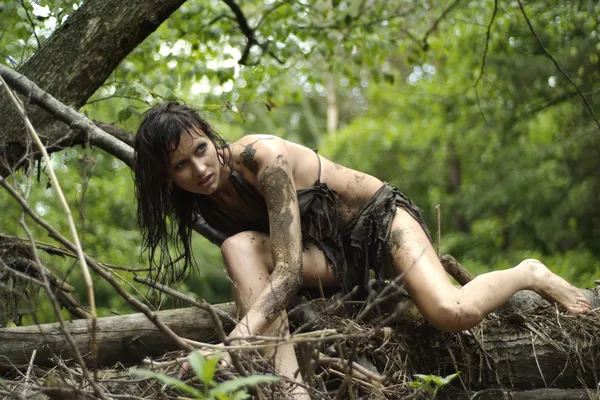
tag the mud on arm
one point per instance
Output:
(276, 184)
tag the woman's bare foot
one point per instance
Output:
(554, 288)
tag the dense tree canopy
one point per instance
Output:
(487, 108)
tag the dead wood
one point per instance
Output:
(126, 339)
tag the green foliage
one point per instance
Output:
(204, 370)
(432, 383)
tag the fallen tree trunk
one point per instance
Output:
(126, 338)
(509, 349)
(538, 394)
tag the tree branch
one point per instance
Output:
(68, 115)
(435, 24)
(246, 30)
(31, 23)
(566, 75)
(484, 59)
(118, 132)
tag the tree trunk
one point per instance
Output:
(538, 394)
(126, 338)
(77, 59)
(332, 104)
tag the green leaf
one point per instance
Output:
(236, 384)
(241, 395)
(449, 378)
(124, 114)
(167, 380)
(22, 13)
(204, 369)
(161, 90)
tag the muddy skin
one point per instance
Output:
(397, 238)
(358, 178)
(249, 158)
(276, 186)
(281, 160)
(351, 203)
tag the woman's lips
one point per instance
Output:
(206, 180)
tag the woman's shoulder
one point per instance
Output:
(263, 148)
(257, 140)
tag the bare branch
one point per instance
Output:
(245, 28)
(118, 132)
(454, 268)
(68, 115)
(265, 14)
(483, 61)
(31, 23)
(435, 24)
(566, 75)
(201, 304)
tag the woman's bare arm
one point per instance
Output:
(271, 162)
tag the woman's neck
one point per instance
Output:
(226, 190)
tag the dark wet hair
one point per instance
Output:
(166, 212)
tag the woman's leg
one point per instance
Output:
(249, 264)
(453, 309)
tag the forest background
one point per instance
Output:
(483, 107)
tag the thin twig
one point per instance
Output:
(201, 304)
(533, 32)
(28, 373)
(484, 59)
(359, 369)
(31, 23)
(439, 229)
(245, 28)
(435, 24)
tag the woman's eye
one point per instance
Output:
(179, 165)
(201, 148)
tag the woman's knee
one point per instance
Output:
(453, 315)
(244, 250)
(244, 244)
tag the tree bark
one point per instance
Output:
(126, 338)
(332, 104)
(537, 394)
(76, 60)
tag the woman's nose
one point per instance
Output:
(199, 167)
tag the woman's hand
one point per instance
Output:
(224, 358)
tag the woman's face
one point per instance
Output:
(194, 165)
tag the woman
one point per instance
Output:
(294, 218)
